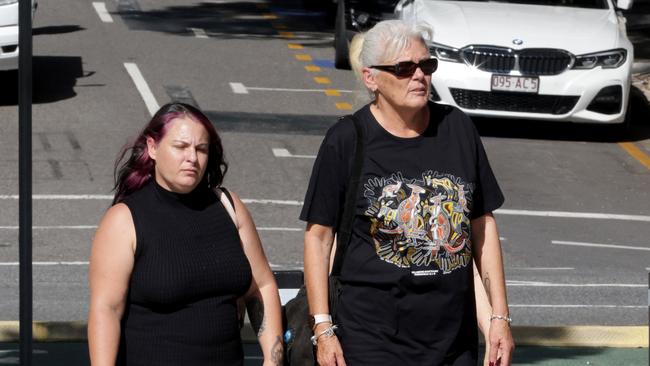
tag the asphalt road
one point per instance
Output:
(261, 71)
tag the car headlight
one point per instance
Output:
(445, 53)
(606, 60)
(7, 2)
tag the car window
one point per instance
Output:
(589, 4)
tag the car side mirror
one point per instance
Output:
(624, 4)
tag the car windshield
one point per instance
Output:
(590, 4)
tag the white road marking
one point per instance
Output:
(199, 33)
(61, 227)
(284, 153)
(238, 88)
(100, 8)
(143, 87)
(543, 268)
(515, 283)
(573, 306)
(279, 229)
(61, 197)
(78, 263)
(578, 215)
(510, 212)
(594, 245)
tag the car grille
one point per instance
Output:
(531, 61)
(514, 102)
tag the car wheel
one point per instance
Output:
(341, 46)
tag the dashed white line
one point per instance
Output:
(104, 16)
(543, 268)
(60, 227)
(143, 87)
(199, 33)
(596, 245)
(76, 263)
(578, 215)
(515, 283)
(577, 306)
(284, 153)
(238, 88)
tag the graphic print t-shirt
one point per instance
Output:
(411, 235)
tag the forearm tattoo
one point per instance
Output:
(256, 314)
(486, 284)
(277, 352)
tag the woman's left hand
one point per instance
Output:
(501, 343)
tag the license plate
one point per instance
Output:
(521, 84)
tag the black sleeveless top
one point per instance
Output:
(189, 271)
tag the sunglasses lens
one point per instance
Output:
(429, 66)
(405, 68)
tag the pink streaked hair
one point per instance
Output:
(136, 171)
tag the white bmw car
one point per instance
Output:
(9, 33)
(565, 60)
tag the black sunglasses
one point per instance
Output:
(407, 68)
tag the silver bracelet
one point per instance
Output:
(329, 331)
(501, 317)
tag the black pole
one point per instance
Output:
(25, 177)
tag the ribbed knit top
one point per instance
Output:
(189, 271)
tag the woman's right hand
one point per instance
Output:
(328, 350)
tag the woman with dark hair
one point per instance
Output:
(171, 258)
(422, 217)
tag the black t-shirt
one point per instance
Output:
(410, 250)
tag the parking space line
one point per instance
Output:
(238, 88)
(104, 16)
(636, 153)
(284, 153)
(143, 87)
(295, 46)
(595, 245)
(199, 33)
(288, 35)
(312, 68)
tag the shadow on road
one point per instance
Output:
(54, 79)
(232, 20)
(638, 129)
(56, 29)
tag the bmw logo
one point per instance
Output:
(517, 41)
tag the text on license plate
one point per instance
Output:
(524, 84)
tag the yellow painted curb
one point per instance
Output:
(582, 336)
(45, 331)
(569, 336)
(636, 153)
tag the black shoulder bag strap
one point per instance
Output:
(344, 231)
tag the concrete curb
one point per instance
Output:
(568, 336)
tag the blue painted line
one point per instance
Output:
(297, 13)
(324, 63)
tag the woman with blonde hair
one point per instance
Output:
(423, 215)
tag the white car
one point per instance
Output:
(9, 33)
(565, 60)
